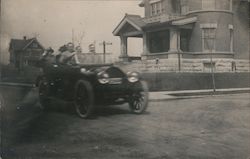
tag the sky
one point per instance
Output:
(54, 22)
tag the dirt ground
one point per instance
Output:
(198, 128)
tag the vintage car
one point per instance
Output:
(86, 84)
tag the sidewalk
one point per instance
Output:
(16, 84)
(185, 94)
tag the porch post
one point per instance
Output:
(124, 45)
(145, 44)
(174, 47)
(174, 40)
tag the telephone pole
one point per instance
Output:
(73, 38)
(104, 43)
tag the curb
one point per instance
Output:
(218, 92)
(174, 95)
(175, 98)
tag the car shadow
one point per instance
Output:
(111, 110)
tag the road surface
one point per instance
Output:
(197, 128)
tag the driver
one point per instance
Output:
(67, 54)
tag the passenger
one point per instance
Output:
(67, 55)
(78, 49)
(47, 57)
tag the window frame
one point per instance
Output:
(231, 34)
(208, 66)
(205, 5)
(156, 7)
(209, 26)
(184, 8)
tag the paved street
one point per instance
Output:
(210, 127)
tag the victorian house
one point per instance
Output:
(190, 35)
(25, 52)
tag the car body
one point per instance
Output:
(87, 84)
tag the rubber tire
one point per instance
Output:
(90, 99)
(43, 99)
(141, 87)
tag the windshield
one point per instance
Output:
(88, 58)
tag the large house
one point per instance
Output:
(190, 35)
(24, 52)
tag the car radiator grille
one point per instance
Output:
(115, 81)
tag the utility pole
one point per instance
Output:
(212, 70)
(211, 46)
(1, 60)
(104, 43)
(73, 38)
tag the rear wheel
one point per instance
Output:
(84, 99)
(138, 100)
(44, 94)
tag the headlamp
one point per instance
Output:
(83, 70)
(133, 77)
(103, 77)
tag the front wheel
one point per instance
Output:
(138, 100)
(84, 99)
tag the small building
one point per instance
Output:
(24, 52)
(190, 35)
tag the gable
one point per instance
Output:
(128, 28)
(21, 44)
(34, 45)
(134, 21)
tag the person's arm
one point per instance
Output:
(67, 59)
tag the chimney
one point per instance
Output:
(24, 38)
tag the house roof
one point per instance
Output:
(22, 44)
(134, 20)
(173, 22)
(184, 21)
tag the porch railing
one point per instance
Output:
(161, 18)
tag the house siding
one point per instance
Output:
(231, 48)
(241, 30)
(222, 42)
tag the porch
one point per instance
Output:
(162, 40)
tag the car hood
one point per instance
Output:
(113, 72)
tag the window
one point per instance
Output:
(231, 37)
(184, 6)
(156, 7)
(185, 36)
(159, 41)
(208, 4)
(233, 66)
(34, 45)
(208, 67)
(249, 16)
(208, 37)
(230, 5)
(217, 5)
